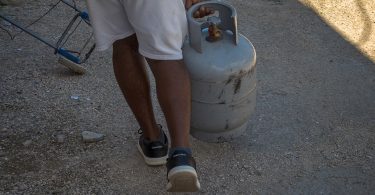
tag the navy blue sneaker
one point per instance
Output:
(156, 152)
(182, 176)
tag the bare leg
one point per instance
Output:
(131, 75)
(174, 94)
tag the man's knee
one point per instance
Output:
(126, 44)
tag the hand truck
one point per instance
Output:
(70, 59)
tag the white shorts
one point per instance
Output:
(160, 25)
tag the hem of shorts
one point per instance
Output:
(106, 46)
(160, 57)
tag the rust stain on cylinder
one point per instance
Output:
(237, 85)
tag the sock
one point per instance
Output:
(174, 149)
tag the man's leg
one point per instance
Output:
(161, 33)
(174, 94)
(131, 75)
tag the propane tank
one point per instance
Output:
(222, 67)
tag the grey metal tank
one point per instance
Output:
(222, 68)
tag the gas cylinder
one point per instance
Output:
(221, 63)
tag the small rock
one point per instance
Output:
(60, 138)
(257, 172)
(27, 143)
(22, 187)
(74, 97)
(88, 136)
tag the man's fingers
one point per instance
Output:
(196, 1)
(203, 11)
(189, 3)
(209, 11)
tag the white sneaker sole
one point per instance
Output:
(183, 179)
(153, 161)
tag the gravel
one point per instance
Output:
(312, 132)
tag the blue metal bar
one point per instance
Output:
(69, 55)
(83, 14)
(28, 32)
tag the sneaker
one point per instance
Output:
(154, 153)
(182, 176)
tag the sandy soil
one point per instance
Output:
(313, 131)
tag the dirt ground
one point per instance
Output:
(313, 131)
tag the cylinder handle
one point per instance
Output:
(227, 20)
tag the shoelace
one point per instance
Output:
(140, 131)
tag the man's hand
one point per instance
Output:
(202, 12)
(189, 3)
